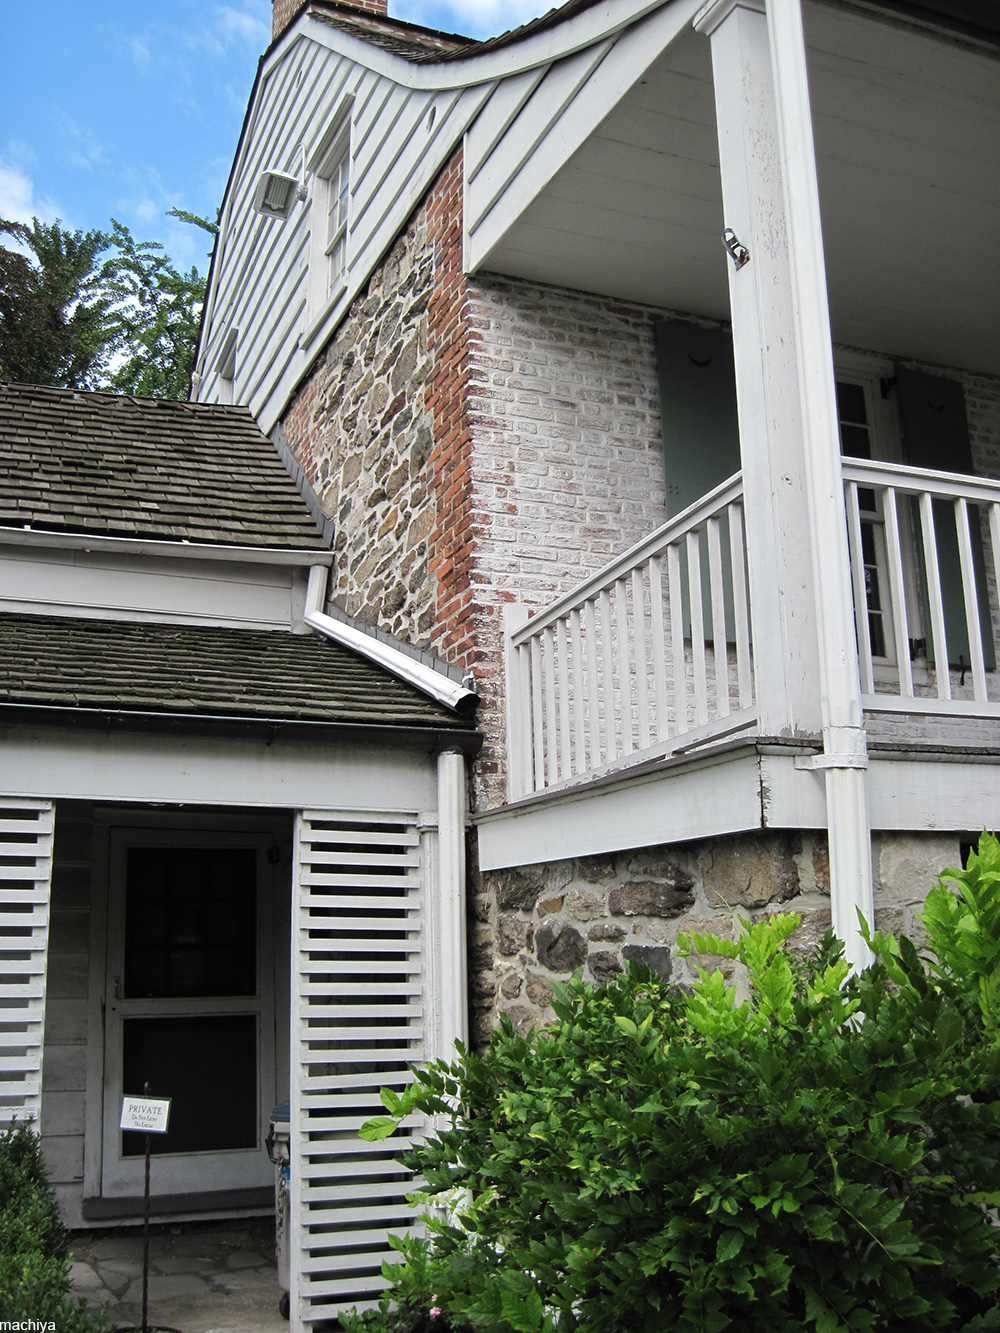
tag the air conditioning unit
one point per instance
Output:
(276, 193)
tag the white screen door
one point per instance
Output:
(189, 1007)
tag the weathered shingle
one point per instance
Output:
(65, 662)
(145, 467)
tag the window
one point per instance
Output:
(329, 217)
(225, 365)
(891, 414)
(857, 416)
(337, 189)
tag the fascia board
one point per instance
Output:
(302, 558)
(582, 30)
(603, 88)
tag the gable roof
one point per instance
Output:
(977, 18)
(106, 465)
(133, 667)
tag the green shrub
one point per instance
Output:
(34, 1242)
(823, 1155)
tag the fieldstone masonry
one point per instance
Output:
(595, 912)
(362, 432)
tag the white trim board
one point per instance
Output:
(90, 765)
(739, 792)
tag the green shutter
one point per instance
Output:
(701, 431)
(936, 435)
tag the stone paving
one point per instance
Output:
(204, 1277)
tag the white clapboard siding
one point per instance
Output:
(357, 1023)
(25, 882)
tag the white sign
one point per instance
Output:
(149, 1114)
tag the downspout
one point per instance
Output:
(845, 758)
(450, 947)
(425, 678)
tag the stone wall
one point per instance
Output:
(362, 431)
(535, 925)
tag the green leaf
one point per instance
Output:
(379, 1127)
(729, 1245)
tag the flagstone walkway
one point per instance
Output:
(204, 1277)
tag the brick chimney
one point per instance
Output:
(284, 11)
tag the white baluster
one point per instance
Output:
(641, 679)
(697, 630)
(939, 638)
(860, 590)
(719, 644)
(578, 737)
(659, 641)
(897, 590)
(971, 600)
(743, 663)
(677, 637)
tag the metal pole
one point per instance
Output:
(145, 1229)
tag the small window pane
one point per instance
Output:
(190, 922)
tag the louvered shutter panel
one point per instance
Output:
(357, 1023)
(25, 879)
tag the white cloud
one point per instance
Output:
(245, 26)
(17, 197)
(478, 18)
(138, 48)
(81, 145)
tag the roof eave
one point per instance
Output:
(265, 727)
(299, 557)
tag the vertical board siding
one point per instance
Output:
(357, 1023)
(25, 887)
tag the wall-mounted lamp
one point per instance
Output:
(277, 191)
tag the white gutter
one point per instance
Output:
(82, 541)
(425, 678)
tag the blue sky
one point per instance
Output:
(125, 108)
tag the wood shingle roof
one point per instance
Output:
(116, 466)
(127, 667)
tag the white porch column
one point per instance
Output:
(449, 967)
(805, 650)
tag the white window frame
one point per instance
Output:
(330, 166)
(225, 365)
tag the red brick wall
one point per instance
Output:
(450, 545)
(284, 11)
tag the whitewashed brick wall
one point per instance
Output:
(567, 457)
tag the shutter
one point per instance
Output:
(25, 880)
(701, 428)
(936, 435)
(357, 1014)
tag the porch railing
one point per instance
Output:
(650, 655)
(925, 565)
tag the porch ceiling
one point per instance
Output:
(908, 142)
